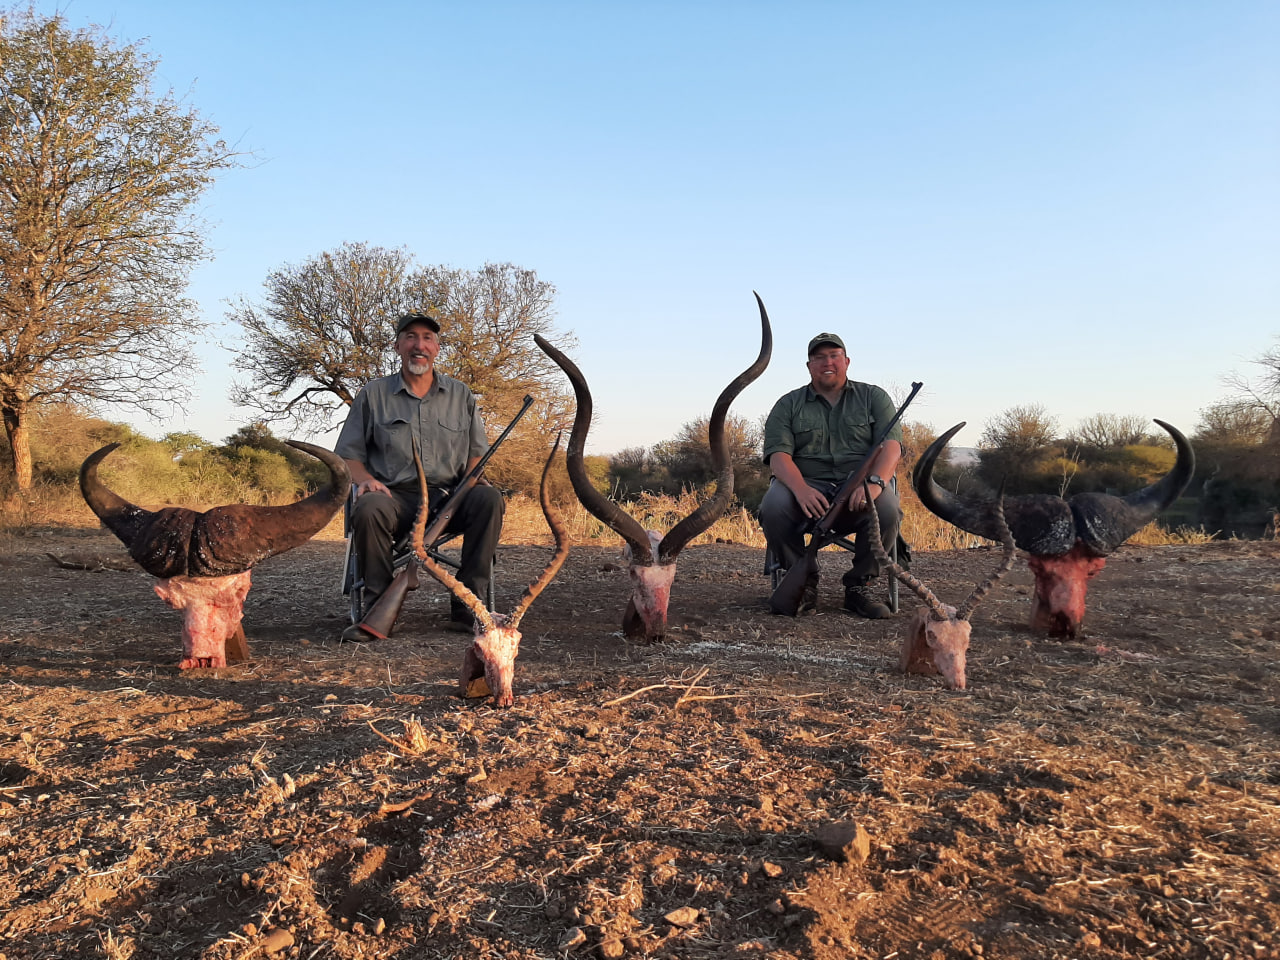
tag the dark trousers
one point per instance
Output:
(785, 525)
(378, 521)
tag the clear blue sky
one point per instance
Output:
(1072, 204)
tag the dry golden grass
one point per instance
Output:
(45, 505)
(1154, 535)
(48, 505)
(524, 523)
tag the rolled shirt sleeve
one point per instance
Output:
(351, 443)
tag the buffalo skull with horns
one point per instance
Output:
(202, 560)
(651, 556)
(1067, 540)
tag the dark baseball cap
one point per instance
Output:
(823, 339)
(402, 324)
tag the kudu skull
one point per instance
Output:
(651, 556)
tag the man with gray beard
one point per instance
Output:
(417, 406)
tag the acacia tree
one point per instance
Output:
(1262, 395)
(324, 330)
(1232, 422)
(1014, 442)
(98, 176)
(1104, 431)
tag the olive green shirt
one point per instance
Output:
(386, 419)
(827, 442)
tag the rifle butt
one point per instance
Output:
(786, 599)
(381, 617)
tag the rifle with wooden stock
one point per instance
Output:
(381, 617)
(786, 599)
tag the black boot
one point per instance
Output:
(809, 598)
(461, 619)
(859, 599)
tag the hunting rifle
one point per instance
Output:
(786, 599)
(381, 617)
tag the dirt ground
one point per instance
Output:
(1114, 796)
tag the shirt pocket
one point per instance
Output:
(452, 439)
(811, 437)
(856, 433)
(857, 430)
(394, 441)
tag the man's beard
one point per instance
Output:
(417, 368)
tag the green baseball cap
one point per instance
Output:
(403, 322)
(825, 338)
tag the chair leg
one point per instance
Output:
(353, 584)
(892, 554)
(773, 569)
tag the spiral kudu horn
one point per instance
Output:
(709, 512)
(608, 512)
(597, 504)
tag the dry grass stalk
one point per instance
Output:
(414, 741)
(1154, 535)
(688, 688)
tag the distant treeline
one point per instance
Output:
(1234, 492)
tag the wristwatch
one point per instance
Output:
(876, 480)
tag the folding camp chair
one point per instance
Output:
(775, 571)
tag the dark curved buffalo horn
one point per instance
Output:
(597, 504)
(711, 511)
(177, 541)
(119, 516)
(1048, 526)
(1042, 525)
(1104, 522)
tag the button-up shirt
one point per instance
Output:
(386, 419)
(827, 441)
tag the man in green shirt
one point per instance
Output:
(813, 438)
(417, 406)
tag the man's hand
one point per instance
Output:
(371, 485)
(858, 498)
(811, 501)
(362, 481)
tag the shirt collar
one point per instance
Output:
(812, 394)
(402, 387)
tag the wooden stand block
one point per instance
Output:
(237, 648)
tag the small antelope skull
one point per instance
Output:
(493, 652)
(937, 637)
